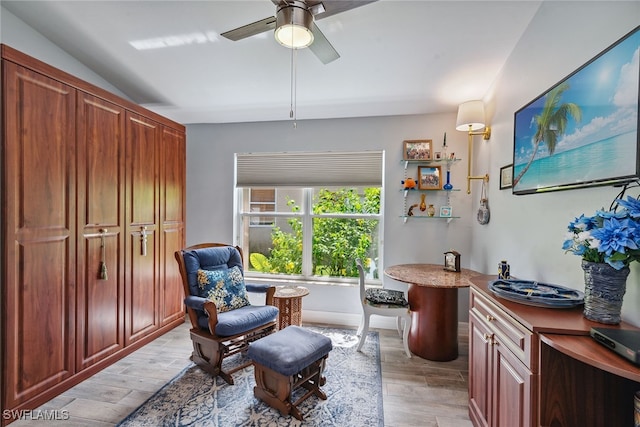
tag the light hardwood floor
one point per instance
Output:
(416, 392)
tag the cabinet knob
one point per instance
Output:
(489, 339)
(490, 318)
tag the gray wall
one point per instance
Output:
(529, 230)
(210, 162)
(18, 35)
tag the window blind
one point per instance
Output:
(310, 169)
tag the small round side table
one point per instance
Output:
(288, 300)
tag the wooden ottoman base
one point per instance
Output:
(291, 360)
(276, 390)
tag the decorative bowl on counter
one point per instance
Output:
(537, 294)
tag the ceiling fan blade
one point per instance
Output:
(321, 46)
(252, 29)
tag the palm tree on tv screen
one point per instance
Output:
(551, 123)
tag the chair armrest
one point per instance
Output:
(259, 288)
(263, 288)
(212, 314)
(205, 305)
(195, 302)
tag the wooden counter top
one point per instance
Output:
(569, 321)
(586, 350)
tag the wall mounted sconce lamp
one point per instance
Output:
(471, 119)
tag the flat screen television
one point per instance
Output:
(583, 131)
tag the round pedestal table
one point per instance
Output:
(433, 301)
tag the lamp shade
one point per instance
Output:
(470, 113)
(293, 27)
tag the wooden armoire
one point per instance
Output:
(93, 207)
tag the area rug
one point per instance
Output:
(194, 398)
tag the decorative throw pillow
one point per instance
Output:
(386, 296)
(225, 288)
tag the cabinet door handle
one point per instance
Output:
(143, 238)
(490, 318)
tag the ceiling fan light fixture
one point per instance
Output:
(293, 26)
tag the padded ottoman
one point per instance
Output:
(291, 358)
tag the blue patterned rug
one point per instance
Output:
(194, 398)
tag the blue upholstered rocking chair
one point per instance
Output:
(222, 319)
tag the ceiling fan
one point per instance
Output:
(295, 19)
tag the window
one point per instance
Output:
(311, 232)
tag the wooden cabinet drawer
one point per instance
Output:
(515, 336)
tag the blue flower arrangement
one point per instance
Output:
(611, 236)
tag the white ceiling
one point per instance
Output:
(397, 57)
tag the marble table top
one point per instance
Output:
(430, 275)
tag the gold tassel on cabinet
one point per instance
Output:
(102, 275)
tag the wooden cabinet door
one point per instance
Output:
(142, 218)
(513, 396)
(172, 212)
(479, 371)
(38, 218)
(501, 387)
(100, 234)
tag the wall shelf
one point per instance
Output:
(448, 218)
(448, 162)
(446, 166)
(407, 191)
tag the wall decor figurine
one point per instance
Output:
(409, 183)
(444, 147)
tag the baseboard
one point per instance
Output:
(353, 320)
(347, 319)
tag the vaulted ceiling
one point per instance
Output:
(396, 57)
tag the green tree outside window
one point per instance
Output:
(336, 242)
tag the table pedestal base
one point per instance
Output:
(288, 301)
(289, 311)
(434, 322)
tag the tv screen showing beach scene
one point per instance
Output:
(584, 130)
